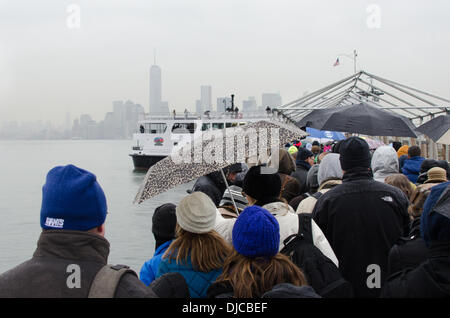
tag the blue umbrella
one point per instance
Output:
(335, 135)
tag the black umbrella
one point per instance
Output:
(359, 118)
(438, 129)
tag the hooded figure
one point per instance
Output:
(431, 279)
(329, 175)
(311, 179)
(384, 163)
(402, 154)
(403, 150)
(411, 166)
(330, 168)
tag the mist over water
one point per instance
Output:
(23, 169)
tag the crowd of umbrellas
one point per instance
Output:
(359, 118)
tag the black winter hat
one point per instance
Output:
(354, 152)
(427, 164)
(164, 221)
(304, 154)
(260, 186)
(396, 145)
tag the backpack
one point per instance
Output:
(107, 279)
(321, 273)
(317, 195)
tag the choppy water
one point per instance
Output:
(23, 168)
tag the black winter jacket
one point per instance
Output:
(301, 174)
(49, 274)
(212, 185)
(362, 219)
(409, 252)
(431, 279)
(284, 290)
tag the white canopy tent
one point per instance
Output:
(415, 104)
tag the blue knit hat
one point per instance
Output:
(72, 200)
(256, 233)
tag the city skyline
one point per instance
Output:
(122, 121)
(53, 63)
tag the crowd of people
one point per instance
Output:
(340, 220)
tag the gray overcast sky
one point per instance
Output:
(245, 47)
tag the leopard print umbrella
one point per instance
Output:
(251, 143)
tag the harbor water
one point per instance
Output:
(23, 168)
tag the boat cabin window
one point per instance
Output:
(217, 125)
(206, 126)
(155, 128)
(228, 125)
(184, 128)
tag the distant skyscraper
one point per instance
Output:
(68, 124)
(198, 107)
(205, 97)
(249, 105)
(155, 89)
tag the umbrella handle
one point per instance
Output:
(229, 191)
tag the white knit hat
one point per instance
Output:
(196, 213)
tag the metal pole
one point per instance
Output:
(229, 191)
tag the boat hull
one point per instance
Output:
(144, 162)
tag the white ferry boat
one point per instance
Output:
(157, 135)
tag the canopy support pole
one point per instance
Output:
(229, 191)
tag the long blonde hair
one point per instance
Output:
(207, 250)
(252, 277)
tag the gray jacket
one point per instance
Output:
(64, 265)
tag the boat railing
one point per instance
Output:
(212, 115)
